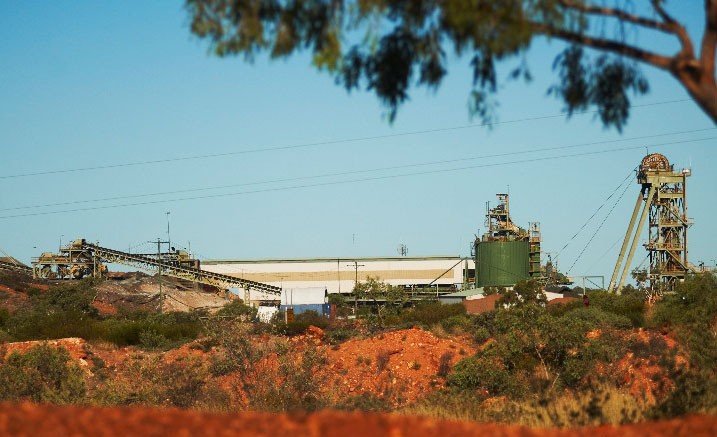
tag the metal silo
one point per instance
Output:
(506, 253)
(501, 263)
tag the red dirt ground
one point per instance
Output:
(410, 370)
(30, 420)
(413, 358)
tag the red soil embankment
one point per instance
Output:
(29, 420)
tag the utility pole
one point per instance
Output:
(356, 265)
(159, 274)
(169, 244)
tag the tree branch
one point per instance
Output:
(677, 29)
(607, 45)
(657, 6)
(616, 13)
(709, 40)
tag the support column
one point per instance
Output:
(638, 203)
(636, 238)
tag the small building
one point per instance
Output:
(461, 295)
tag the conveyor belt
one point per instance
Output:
(5, 265)
(182, 272)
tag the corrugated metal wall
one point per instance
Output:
(501, 263)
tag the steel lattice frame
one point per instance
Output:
(668, 224)
(662, 198)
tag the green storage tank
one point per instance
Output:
(501, 263)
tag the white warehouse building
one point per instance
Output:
(339, 275)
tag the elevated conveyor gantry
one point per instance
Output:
(15, 267)
(151, 264)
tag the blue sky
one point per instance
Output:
(97, 84)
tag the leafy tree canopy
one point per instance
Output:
(388, 46)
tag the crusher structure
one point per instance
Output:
(663, 200)
(506, 253)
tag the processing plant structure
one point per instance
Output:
(82, 258)
(663, 201)
(506, 253)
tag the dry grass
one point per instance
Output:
(600, 406)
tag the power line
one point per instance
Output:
(395, 176)
(599, 227)
(314, 144)
(604, 253)
(398, 167)
(623, 182)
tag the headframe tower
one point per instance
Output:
(663, 192)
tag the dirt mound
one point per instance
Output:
(14, 289)
(138, 292)
(407, 362)
(47, 420)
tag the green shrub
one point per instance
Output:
(429, 313)
(457, 323)
(630, 305)
(181, 383)
(220, 364)
(599, 318)
(692, 313)
(652, 349)
(4, 317)
(151, 339)
(237, 308)
(485, 371)
(480, 334)
(339, 335)
(311, 317)
(42, 374)
(577, 368)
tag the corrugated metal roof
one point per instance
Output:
(340, 259)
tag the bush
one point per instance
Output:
(364, 402)
(481, 335)
(430, 313)
(382, 359)
(42, 374)
(339, 335)
(691, 313)
(630, 305)
(653, 349)
(238, 309)
(598, 318)
(485, 371)
(457, 323)
(182, 383)
(444, 364)
(151, 339)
